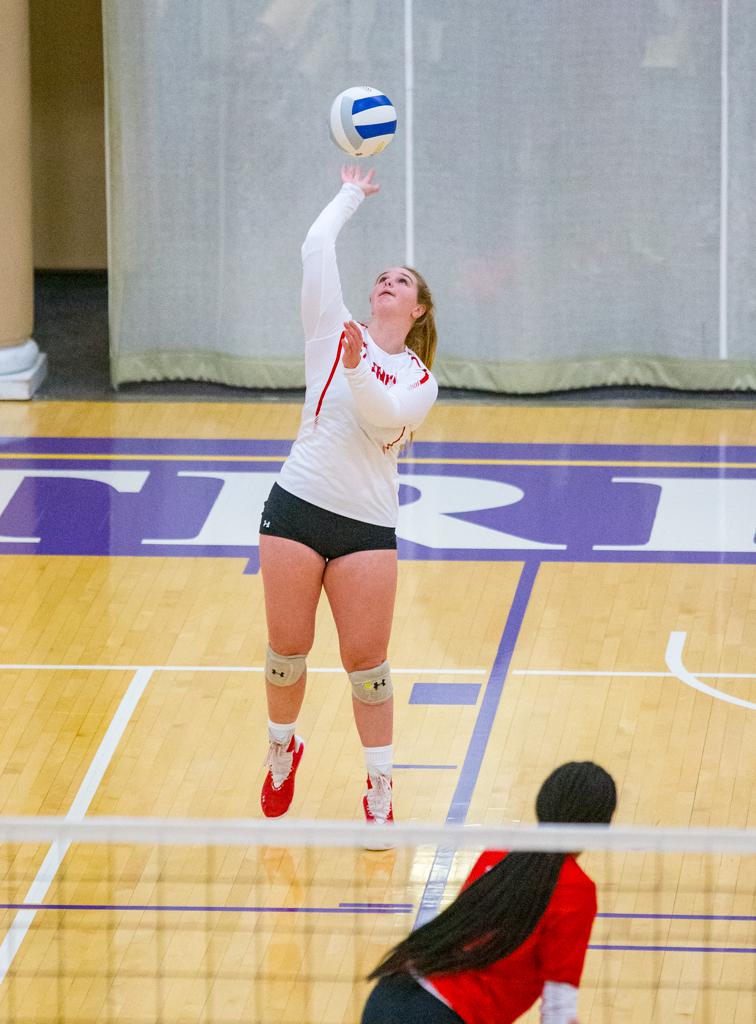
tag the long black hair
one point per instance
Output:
(494, 915)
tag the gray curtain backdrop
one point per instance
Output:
(574, 179)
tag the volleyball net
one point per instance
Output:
(280, 921)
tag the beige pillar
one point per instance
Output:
(18, 353)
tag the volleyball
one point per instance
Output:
(362, 121)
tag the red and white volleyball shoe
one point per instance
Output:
(278, 788)
(377, 804)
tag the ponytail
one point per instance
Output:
(486, 922)
(496, 914)
(422, 338)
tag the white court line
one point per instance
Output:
(608, 674)
(234, 668)
(44, 877)
(674, 662)
(673, 658)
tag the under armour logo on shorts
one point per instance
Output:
(266, 526)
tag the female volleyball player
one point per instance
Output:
(329, 522)
(518, 930)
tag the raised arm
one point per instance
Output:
(323, 310)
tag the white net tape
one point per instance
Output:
(299, 832)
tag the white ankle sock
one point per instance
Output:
(379, 760)
(281, 733)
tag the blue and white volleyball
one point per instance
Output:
(363, 121)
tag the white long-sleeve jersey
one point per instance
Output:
(354, 422)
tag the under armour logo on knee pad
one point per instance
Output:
(370, 687)
(290, 668)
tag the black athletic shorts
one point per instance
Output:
(331, 535)
(399, 999)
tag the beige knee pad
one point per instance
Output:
(283, 669)
(372, 685)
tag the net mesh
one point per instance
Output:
(281, 921)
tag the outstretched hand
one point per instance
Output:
(351, 345)
(354, 176)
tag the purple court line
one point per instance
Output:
(357, 908)
(678, 917)
(468, 776)
(142, 446)
(394, 906)
(420, 449)
(677, 949)
(352, 908)
(591, 452)
(437, 766)
(435, 694)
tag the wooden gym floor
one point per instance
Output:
(575, 583)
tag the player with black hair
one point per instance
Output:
(519, 929)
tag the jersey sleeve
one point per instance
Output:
(323, 309)
(406, 404)
(559, 1003)
(567, 928)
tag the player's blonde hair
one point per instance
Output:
(423, 338)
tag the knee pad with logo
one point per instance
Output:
(372, 685)
(284, 669)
